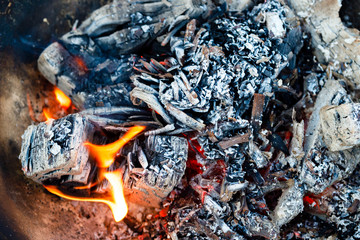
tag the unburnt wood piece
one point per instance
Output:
(226, 143)
(257, 112)
(55, 148)
(167, 157)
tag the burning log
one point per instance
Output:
(56, 149)
(72, 75)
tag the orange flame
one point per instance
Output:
(47, 114)
(64, 100)
(105, 154)
(116, 202)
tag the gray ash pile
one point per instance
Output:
(245, 135)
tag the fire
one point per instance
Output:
(116, 201)
(47, 114)
(105, 154)
(64, 100)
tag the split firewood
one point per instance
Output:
(331, 40)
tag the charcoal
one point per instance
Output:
(208, 68)
(259, 225)
(296, 146)
(82, 178)
(338, 205)
(151, 101)
(257, 156)
(55, 148)
(79, 63)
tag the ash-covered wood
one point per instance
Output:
(322, 168)
(340, 126)
(163, 167)
(54, 149)
(91, 63)
(72, 74)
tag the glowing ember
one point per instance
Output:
(105, 154)
(64, 100)
(47, 114)
(116, 201)
(81, 63)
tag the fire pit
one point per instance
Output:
(207, 120)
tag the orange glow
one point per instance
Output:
(64, 100)
(116, 202)
(81, 63)
(47, 114)
(105, 154)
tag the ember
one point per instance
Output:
(219, 121)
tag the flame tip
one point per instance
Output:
(61, 97)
